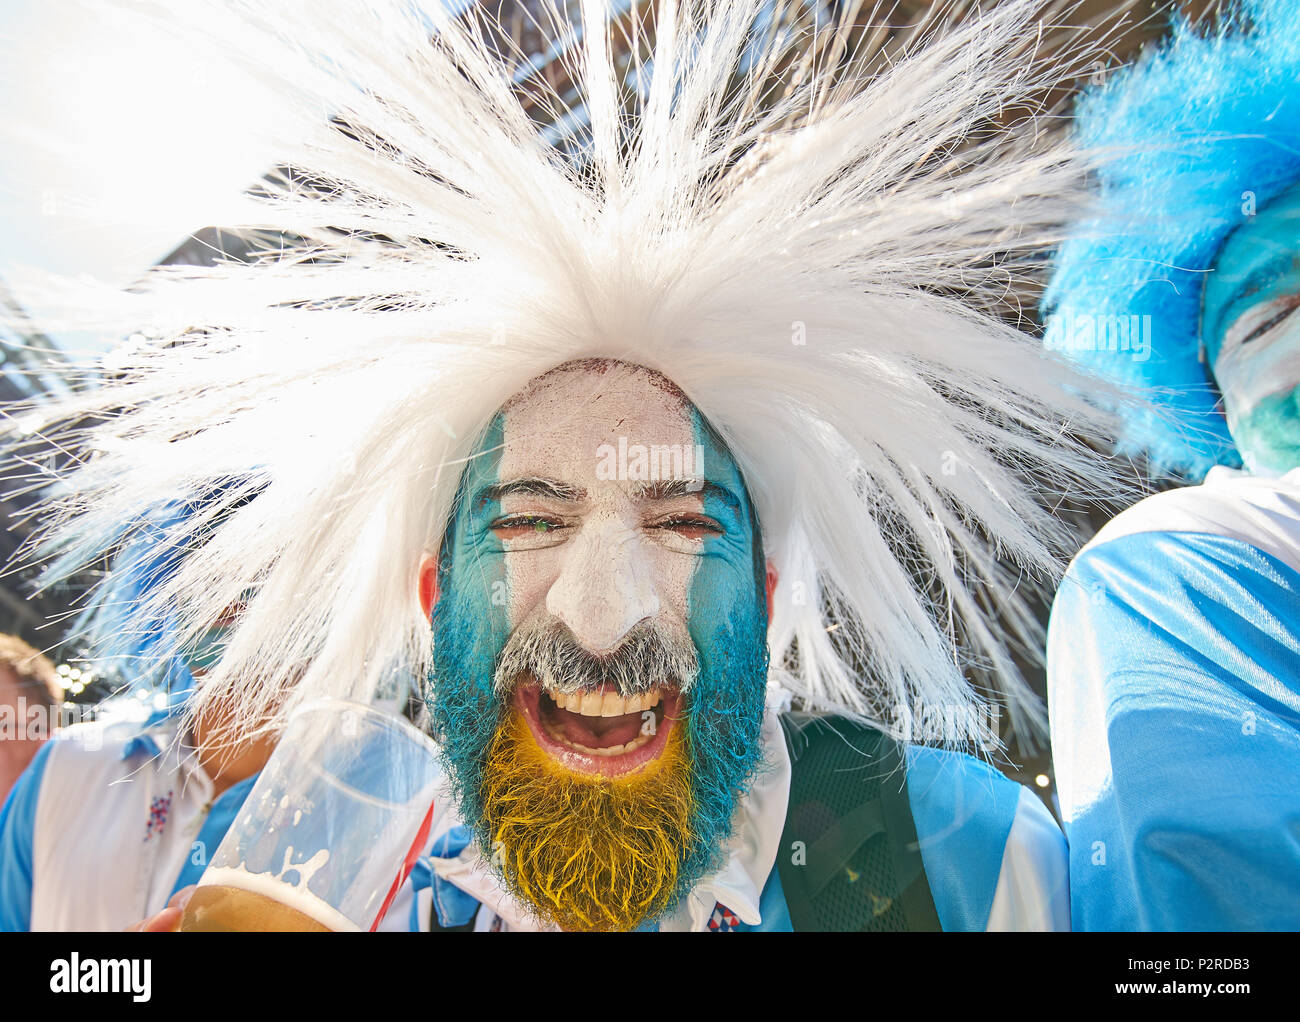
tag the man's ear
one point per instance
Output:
(428, 586)
(771, 587)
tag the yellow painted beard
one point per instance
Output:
(587, 853)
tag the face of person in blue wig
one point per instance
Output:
(600, 644)
(1252, 335)
(203, 653)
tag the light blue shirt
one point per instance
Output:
(1174, 677)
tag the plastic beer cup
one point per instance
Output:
(330, 830)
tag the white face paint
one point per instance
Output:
(622, 568)
(600, 554)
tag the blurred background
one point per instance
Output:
(152, 151)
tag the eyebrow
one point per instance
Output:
(660, 489)
(667, 489)
(536, 486)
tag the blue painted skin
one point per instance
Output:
(469, 629)
(727, 621)
(205, 652)
(1259, 264)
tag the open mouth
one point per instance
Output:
(597, 730)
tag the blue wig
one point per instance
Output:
(1199, 135)
(121, 622)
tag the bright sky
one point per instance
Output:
(134, 149)
(115, 145)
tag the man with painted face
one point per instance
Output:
(600, 612)
(1174, 648)
(630, 408)
(600, 715)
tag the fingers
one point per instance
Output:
(166, 921)
(182, 897)
(169, 919)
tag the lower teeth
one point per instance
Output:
(613, 750)
(616, 750)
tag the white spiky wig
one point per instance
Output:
(810, 245)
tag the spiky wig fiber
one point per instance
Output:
(808, 244)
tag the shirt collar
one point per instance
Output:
(158, 737)
(161, 724)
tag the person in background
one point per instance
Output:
(1174, 643)
(29, 702)
(153, 804)
(154, 797)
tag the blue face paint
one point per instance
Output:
(470, 625)
(1252, 334)
(728, 624)
(205, 652)
(726, 620)
(1269, 434)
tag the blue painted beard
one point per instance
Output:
(721, 712)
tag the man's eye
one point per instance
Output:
(689, 526)
(521, 526)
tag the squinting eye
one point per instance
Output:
(1259, 322)
(522, 526)
(689, 526)
(1268, 325)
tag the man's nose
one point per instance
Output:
(605, 587)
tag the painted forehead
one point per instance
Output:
(1258, 262)
(568, 422)
(600, 372)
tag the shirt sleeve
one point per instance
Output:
(965, 813)
(17, 824)
(1033, 891)
(1174, 684)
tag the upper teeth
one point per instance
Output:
(604, 704)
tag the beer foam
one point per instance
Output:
(306, 870)
(298, 898)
